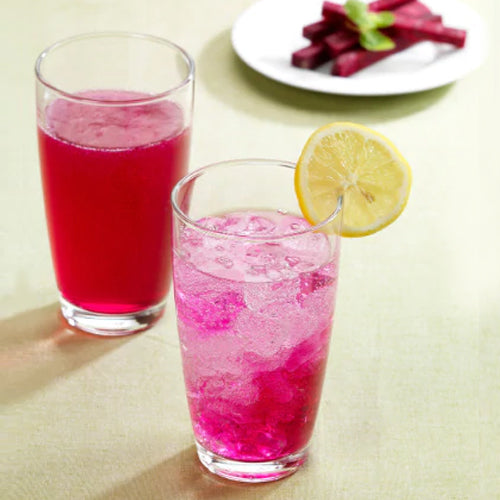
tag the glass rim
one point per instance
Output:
(245, 161)
(118, 34)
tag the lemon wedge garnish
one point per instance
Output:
(353, 161)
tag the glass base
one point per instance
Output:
(251, 472)
(111, 325)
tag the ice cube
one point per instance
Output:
(292, 261)
(310, 283)
(274, 274)
(225, 261)
(192, 238)
(257, 270)
(259, 297)
(210, 310)
(260, 225)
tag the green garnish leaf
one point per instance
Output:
(384, 19)
(368, 24)
(357, 12)
(376, 41)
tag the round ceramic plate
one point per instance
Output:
(267, 33)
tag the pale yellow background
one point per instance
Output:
(411, 401)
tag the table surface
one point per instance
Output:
(411, 402)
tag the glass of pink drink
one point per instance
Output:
(114, 118)
(255, 288)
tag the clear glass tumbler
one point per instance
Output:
(114, 114)
(255, 288)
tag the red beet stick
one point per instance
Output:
(311, 57)
(318, 30)
(416, 30)
(334, 12)
(380, 5)
(416, 9)
(340, 41)
(355, 60)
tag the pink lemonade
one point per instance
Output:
(254, 320)
(107, 172)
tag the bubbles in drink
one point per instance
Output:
(255, 334)
(283, 257)
(209, 310)
(225, 261)
(292, 261)
(260, 225)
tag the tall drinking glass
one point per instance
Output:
(114, 118)
(255, 288)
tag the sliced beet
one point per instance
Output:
(310, 57)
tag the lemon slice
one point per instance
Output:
(358, 163)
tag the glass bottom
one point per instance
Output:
(251, 472)
(111, 325)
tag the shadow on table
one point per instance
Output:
(182, 477)
(229, 80)
(38, 346)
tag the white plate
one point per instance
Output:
(267, 33)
